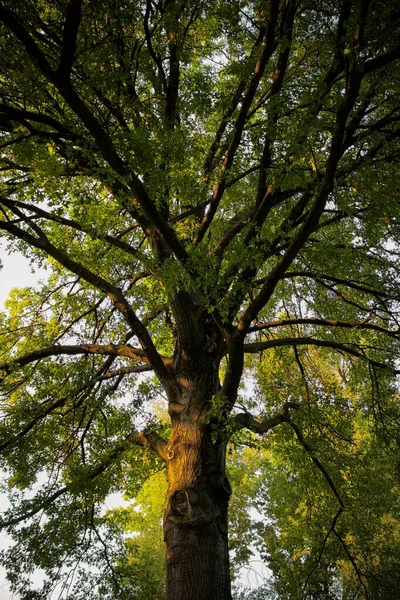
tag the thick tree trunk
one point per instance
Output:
(195, 523)
(196, 515)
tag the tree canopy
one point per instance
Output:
(213, 189)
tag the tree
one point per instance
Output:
(313, 547)
(213, 187)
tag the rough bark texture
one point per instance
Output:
(195, 522)
(196, 515)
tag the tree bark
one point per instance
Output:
(196, 514)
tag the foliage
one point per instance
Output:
(206, 183)
(346, 550)
(141, 522)
(264, 592)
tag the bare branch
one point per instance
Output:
(246, 420)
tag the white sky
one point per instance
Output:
(16, 272)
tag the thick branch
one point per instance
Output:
(373, 64)
(30, 45)
(11, 113)
(246, 420)
(98, 132)
(153, 441)
(70, 34)
(325, 323)
(255, 347)
(234, 370)
(56, 350)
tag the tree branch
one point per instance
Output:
(91, 474)
(351, 558)
(115, 295)
(330, 530)
(317, 462)
(316, 210)
(11, 113)
(102, 374)
(56, 350)
(247, 421)
(70, 34)
(347, 282)
(373, 64)
(255, 347)
(265, 54)
(325, 323)
(153, 441)
(40, 212)
(98, 132)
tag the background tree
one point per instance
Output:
(213, 188)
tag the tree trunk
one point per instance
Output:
(196, 516)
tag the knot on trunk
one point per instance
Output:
(189, 508)
(181, 502)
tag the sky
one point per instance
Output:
(16, 272)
